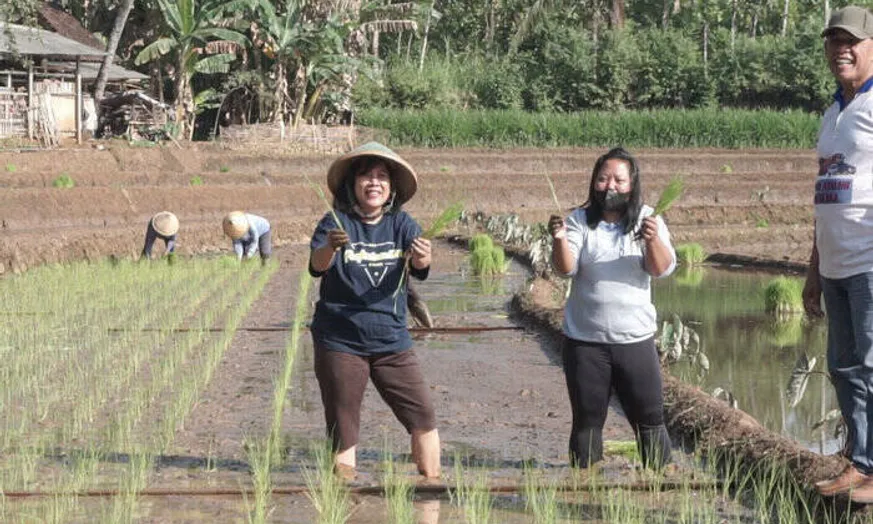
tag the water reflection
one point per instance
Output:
(752, 354)
(427, 511)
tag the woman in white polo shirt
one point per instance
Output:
(611, 247)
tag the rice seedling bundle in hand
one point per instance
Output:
(320, 192)
(670, 194)
(448, 216)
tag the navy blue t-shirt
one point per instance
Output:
(357, 311)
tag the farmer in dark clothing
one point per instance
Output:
(163, 225)
(365, 254)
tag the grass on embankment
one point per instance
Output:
(728, 128)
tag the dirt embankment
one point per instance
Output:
(753, 203)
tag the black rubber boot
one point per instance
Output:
(654, 445)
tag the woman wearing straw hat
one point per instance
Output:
(359, 326)
(163, 225)
(250, 234)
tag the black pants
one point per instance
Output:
(592, 370)
(151, 236)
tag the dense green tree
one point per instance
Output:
(192, 34)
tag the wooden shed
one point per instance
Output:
(43, 78)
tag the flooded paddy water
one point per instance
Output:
(752, 353)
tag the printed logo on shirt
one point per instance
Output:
(833, 190)
(835, 165)
(834, 182)
(374, 259)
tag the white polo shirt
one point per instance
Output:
(610, 298)
(844, 189)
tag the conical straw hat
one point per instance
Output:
(403, 180)
(235, 224)
(165, 223)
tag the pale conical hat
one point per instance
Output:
(403, 180)
(235, 224)
(165, 223)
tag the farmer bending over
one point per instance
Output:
(611, 247)
(359, 327)
(163, 225)
(250, 234)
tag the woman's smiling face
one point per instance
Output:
(373, 188)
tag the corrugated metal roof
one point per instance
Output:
(33, 41)
(89, 71)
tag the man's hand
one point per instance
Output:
(812, 297)
(337, 238)
(557, 228)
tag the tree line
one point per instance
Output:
(290, 61)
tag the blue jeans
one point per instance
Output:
(849, 305)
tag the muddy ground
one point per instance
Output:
(497, 407)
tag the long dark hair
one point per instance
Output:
(344, 200)
(594, 209)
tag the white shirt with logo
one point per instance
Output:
(610, 298)
(844, 189)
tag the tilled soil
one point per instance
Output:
(499, 407)
(750, 202)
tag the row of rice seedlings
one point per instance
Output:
(398, 490)
(258, 452)
(541, 496)
(183, 390)
(133, 414)
(474, 498)
(123, 360)
(327, 492)
(237, 306)
(264, 455)
(731, 128)
(42, 345)
(69, 387)
(133, 480)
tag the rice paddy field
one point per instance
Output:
(184, 392)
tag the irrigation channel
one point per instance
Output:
(501, 408)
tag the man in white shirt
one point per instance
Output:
(841, 263)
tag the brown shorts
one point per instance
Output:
(342, 378)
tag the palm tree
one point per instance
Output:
(192, 31)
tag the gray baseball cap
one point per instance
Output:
(852, 19)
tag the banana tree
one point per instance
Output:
(286, 37)
(193, 33)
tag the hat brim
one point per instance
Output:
(235, 229)
(404, 180)
(165, 224)
(854, 31)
